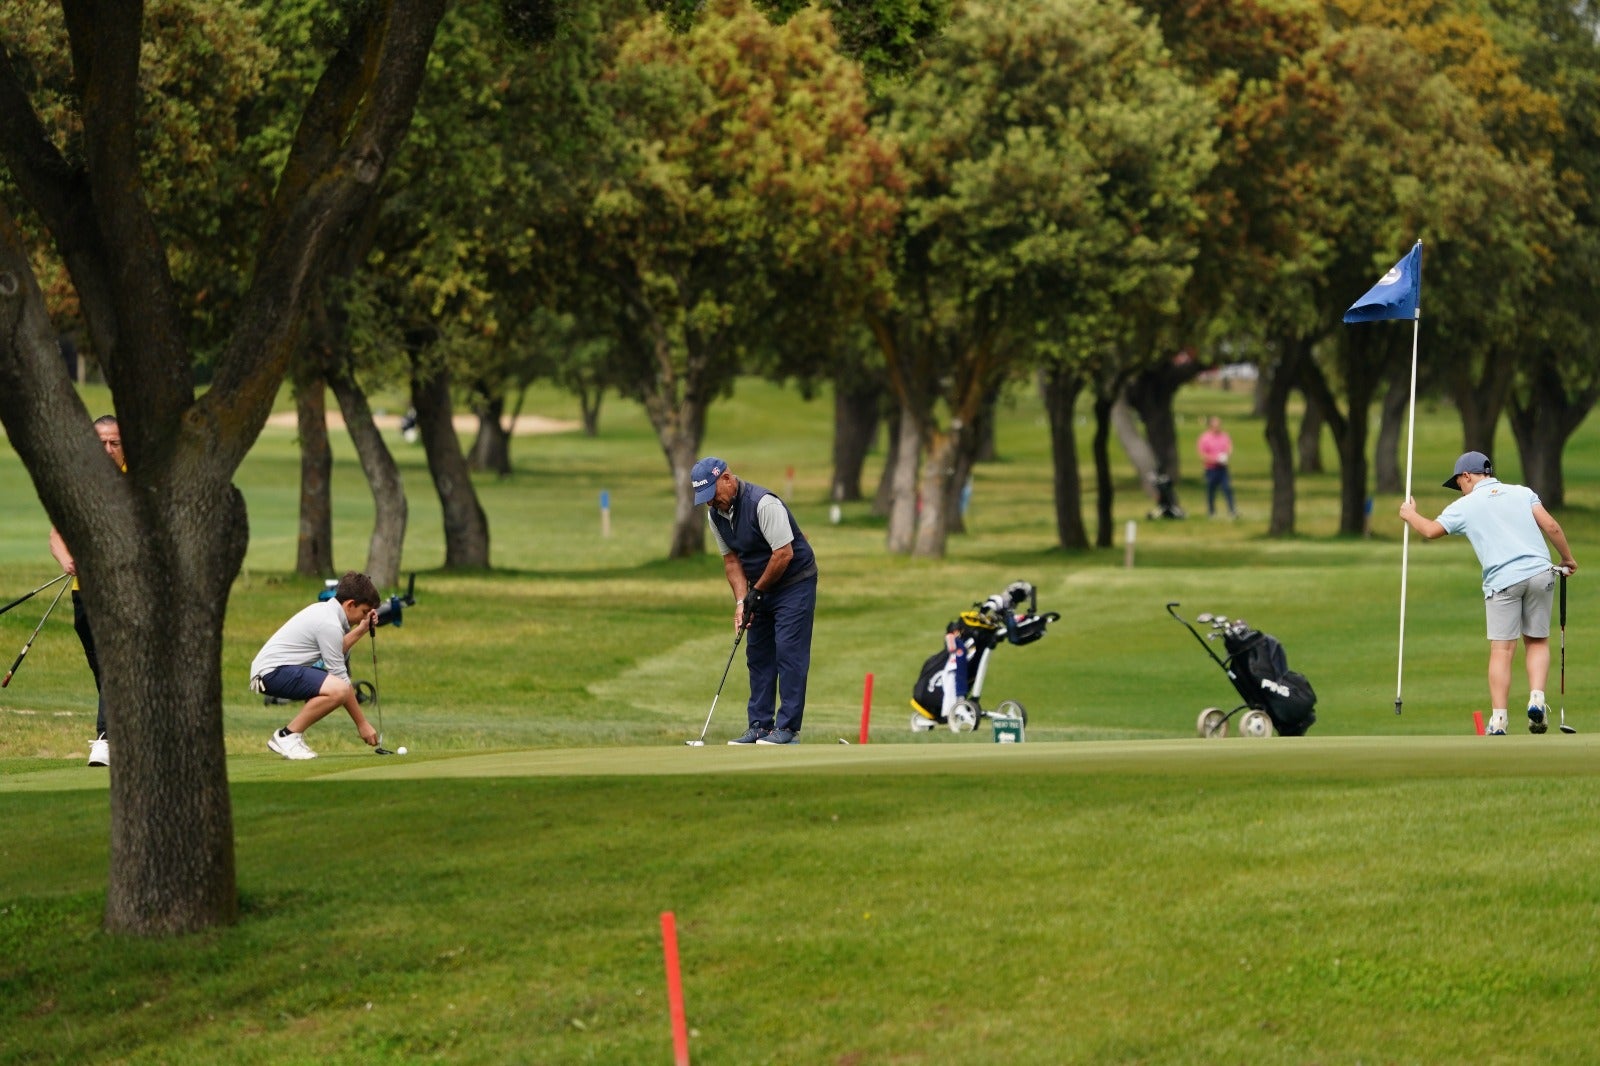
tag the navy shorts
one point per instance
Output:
(294, 682)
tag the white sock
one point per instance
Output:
(1536, 698)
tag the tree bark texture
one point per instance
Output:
(1275, 410)
(390, 509)
(466, 527)
(855, 428)
(491, 449)
(314, 545)
(1059, 388)
(158, 548)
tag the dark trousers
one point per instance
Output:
(778, 653)
(1217, 478)
(80, 622)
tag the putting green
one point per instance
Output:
(1553, 755)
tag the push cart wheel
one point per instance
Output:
(964, 716)
(1011, 709)
(1256, 724)
(365, 692)
(1212, 724)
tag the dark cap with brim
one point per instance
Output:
(703, 479)
(1469, 463)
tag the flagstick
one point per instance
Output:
(1405, 537)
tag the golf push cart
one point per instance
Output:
(950, 684)
(1276, 699)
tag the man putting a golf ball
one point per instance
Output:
(321, 633)
(1507, 526)
(773, 574)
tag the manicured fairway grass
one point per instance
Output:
(1330, 901)
(1391, 889)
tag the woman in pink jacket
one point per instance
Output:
(1215, 447)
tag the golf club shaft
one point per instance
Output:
(377, 702)
(24, 652)
(25, 598)
(737, 637)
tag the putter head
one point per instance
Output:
(382, 751)
(1567, 728)
(695, 743)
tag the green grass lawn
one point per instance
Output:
(1391, 889)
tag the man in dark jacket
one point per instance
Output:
(773, 574)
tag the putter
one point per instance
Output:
(24, 652)
(24, 599)
(1565, 728)
(372, 635)
(737, 637)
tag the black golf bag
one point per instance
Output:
(949, 686)
(1262, 676)
(1276, 698)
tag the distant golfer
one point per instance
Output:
(773, 574)
(306, 660)
(1504, 524)
(110, 434)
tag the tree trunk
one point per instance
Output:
(1137, 449)
(883, 498)
(491, 449)
(855, 428)
(688, 521)
(314, 545)
(1059, 388)
(937, 471)
(466, 528)
(589, 409)
(1481, 400)
(389, 506)
(1105, 490)
(1275, 410)
(1391, 424)
(1310, 438)
(903, 503)
(1151, 393)
(1542, 427)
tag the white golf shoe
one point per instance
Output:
(291, 746)
(100, 751)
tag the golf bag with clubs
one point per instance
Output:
(949, 686)
(1276, 698)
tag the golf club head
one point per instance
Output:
(1567, 728)
(1203, 616)
(695, 743)
(382, 751)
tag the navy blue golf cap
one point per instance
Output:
(1469, 463)
(703, 479)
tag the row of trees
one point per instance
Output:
(910, 200)
(1068, 192)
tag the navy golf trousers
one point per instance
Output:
(778, 652)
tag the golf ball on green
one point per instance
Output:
(401, 750)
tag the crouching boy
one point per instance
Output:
(306, 659)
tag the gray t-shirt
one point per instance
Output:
(317, 632)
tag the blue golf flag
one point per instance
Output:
(1398, 294)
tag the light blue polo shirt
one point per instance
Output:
(1498, 520)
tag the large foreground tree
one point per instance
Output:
(159, 548)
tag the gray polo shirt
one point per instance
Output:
(317, 632)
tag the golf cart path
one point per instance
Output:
(1553, 755)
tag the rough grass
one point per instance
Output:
(1389, 890)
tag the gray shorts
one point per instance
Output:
(1523, 610)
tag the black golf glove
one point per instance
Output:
(755, 601)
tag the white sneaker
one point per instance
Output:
(100, 751)
(292, 746)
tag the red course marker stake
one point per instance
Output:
(1477, 720)
(680, 1032)
(866, 708)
